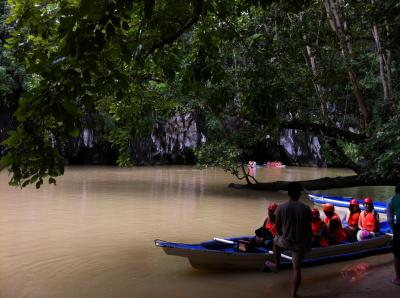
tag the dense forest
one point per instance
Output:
(246, 70)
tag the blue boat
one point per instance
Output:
(339, 201)
(215, 254)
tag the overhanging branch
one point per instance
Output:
(197, 12)
(328, 131)
(322, 183)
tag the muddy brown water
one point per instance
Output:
(92, 234)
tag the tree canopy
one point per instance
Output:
(252, 68)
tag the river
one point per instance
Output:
(92, 234)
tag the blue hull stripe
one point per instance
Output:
(344, 202)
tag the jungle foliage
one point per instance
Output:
(328, 67)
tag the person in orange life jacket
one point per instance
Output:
(269, 222)
(336, 232)
(368, 223)
(352, 216)
(267, 232)
(319, 230)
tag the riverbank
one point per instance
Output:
(375, 283)
(367, 277)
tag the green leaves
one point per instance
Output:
(31, 157)
(383, 150)
(241, 65)
(221, 154)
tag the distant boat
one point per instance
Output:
(274, 164)
(340, 201)
(252, 164)
(223, 254)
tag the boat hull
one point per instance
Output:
(343, 202)
(211, 255)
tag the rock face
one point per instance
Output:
(300, 148)
(89, 148)
(173, 141)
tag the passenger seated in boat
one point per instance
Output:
(352, 217)
(368, 223)
(267, 232)
(336, 234)
(319, 230)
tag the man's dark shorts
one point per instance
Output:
(297, 254)
(396, 241)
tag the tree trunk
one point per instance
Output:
(339, 27)
(319, 90)
(375, 34)
(389, 74)
(385, 66)
(311, 61)
(322, 183)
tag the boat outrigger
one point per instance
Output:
(339, 201)
(223, 254)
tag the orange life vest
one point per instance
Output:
(316, 230)
(270, 227)
(339, 235)
(353, 219)
(367, 221)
